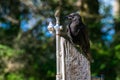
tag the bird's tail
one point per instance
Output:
(87, 54)
(89, 57)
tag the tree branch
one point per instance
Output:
(9, 18)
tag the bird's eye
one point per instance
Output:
(74, 18)
(70, 17)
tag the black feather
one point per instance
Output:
(78, 33)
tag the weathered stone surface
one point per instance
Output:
(76, 66)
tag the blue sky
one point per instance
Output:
(108, 22)
(29, 23)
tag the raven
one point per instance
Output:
(78, 34)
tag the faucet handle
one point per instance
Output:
(51, 27)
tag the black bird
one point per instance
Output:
(78, 33)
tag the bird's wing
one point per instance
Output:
(77, 32)
(86, 44)
(85, 36)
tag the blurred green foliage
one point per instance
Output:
(30, 54)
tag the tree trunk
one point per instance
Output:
(116, 8)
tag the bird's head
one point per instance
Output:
(73, 17)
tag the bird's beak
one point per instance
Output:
(68, 17)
